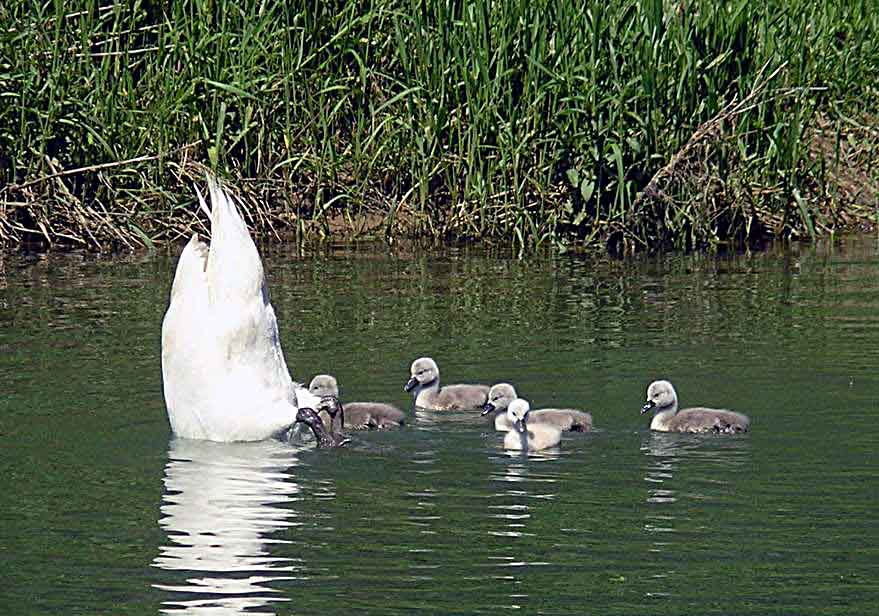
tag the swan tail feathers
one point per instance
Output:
(235, 272)
(190, 277)
(203, 205)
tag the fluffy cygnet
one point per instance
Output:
(354, 415)
(567, 420)
(424, 383)
(663, 401)
(526, 435)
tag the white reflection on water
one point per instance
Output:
(521, 482)
(680, 470)
(662, 451)
(425, 514)
(221, 505)
(709, 458)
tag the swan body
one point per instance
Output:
(567, 420)
(525, 435)
(223, 370)
(663, 401)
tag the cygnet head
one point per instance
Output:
(423, 372)
(331, 406)
(324, 385)
(517, 413)
(499, 398)
(309, 418)
(324, 439)
(660, 396)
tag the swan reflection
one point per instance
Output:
(520, 483)
(662, 450)
(710, 462)
(221, 506)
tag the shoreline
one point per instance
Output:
(631, 127)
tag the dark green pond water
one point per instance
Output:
(104, 512)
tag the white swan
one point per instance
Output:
(224, 374)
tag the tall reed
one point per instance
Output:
(632, 123)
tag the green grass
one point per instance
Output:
(532, 121)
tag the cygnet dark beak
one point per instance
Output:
(487, 408)
(330, 404)
(650, 404)
(410, 384)
(520, 426)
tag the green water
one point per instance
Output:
(104, 512)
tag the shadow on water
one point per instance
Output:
(224, 505)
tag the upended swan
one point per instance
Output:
(502, 394)
(223, 370)
(424, 384)
(354, 415)
(525, 435)
(663, 401)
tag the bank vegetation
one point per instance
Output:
(625, 124)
